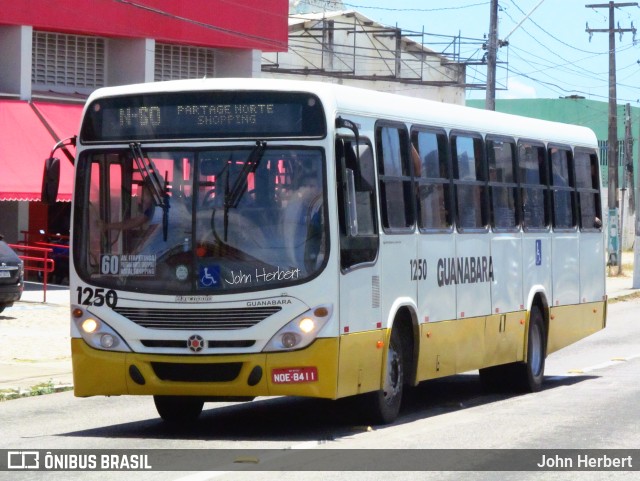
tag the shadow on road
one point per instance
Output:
(302, 419)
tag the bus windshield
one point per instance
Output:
(214, 220)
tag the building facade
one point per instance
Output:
(348, 48)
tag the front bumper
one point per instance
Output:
(97, 372)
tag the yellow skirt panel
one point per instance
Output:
(568, 324)
(308, 372)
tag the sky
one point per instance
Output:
(549, 55)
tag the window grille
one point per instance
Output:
(175, 62)
(61, 60)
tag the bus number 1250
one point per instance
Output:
(418, 269)
(88, 296)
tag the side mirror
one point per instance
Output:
(50, 181)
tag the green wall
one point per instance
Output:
(579, 111)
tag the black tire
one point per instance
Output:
(383, 406)
(524, 376)
(529, 375)
(178, 409)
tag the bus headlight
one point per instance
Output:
(97, 333)
(107, 341)
(89, 326)
(301, 331)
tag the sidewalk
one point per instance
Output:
(35, 342)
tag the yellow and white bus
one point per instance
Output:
(235, 238)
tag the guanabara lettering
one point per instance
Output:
(464, 270)
(271, 302)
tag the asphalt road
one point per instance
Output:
(590, 401)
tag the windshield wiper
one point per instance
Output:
(149, 173)
(234, 194)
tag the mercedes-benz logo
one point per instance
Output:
(195, 343)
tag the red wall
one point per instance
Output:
(259, 24)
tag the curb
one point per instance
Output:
(37, 390)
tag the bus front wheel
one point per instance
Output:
(383, 406)
(178, 409)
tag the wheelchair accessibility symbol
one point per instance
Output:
(209, 276)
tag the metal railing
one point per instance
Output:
(40, 262)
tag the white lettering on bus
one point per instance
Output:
(262, 275)
(239, 278)
(224, 114)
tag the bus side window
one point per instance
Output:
(395, 177)
(429, 152)
(362, 246)
(588, 185)
(562, 181)
(502, 184)
(469, 182)
(533, 183)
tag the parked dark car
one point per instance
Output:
(11, 276)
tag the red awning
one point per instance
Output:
(63, 120)
(26, 140)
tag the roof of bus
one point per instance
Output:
(357, 101)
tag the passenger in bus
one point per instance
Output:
(146, 209)
(432, 201)
(468, 196)
(562, 202)
(534, 174)
(302, 223)
(595, 180)
(597, 223)
(417, 163)
(533, 208)
(502, 202)
(143, 232)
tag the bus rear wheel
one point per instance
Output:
(178, 409)
(526, 376)
(530, 374)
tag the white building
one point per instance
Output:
(348, 48)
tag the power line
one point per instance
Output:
(208, 26)
(565, 67)
(553, 36)
(561, 66)
(439, 9)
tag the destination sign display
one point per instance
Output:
(203, 115)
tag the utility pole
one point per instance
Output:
(628, 159)
(636, 244)
(492, 57)
(612, 142)
(493, 44)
